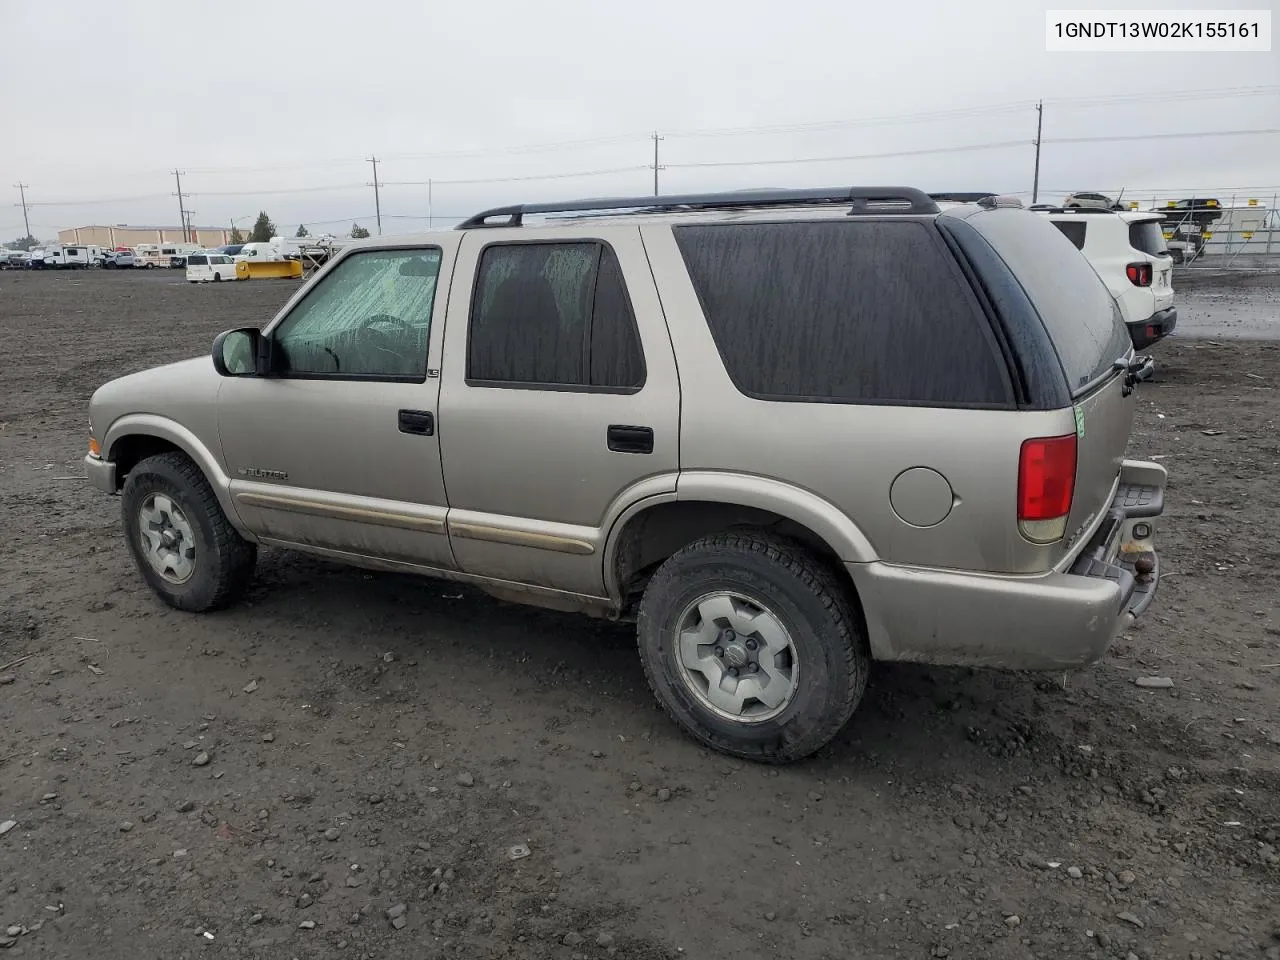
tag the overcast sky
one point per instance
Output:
(275, 106)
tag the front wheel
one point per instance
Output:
(182, 542)
(753, 646)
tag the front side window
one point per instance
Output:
(369, 317)
(553, 314)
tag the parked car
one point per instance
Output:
(1090, 201)
(120, 260)
(230, 249)
(787, 432)
(210, 267)
(1127, 249)
(14, 259)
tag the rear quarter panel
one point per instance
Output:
(850, 454)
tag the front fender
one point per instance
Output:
(162, 428)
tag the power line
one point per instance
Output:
(934, 115)
(81, 203)
(540, 176)
(1002, 145)
(1219, 93)
(330, 188)
(1166, 136)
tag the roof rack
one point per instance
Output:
(1050, 208)
(963, 197)
(906, 199)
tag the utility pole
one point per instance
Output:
(22, 192)
(377, 202)
(188, 234)
(1035, 183)
(656, 167)
(182, 214)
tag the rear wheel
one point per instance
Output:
(753, 646)
(182, 542)
(217, 278)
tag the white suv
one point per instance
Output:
(1127, 250)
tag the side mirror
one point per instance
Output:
(239, 353)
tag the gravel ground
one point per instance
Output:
(358, 765)
(1214, 302)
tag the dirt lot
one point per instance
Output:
(404, 735)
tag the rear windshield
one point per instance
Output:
(197, 260)
(1081, 317)
(1148, 236)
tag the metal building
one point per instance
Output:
(126, 235)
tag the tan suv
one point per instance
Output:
(788, 432)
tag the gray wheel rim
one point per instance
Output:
(168, 542)
(736, 657)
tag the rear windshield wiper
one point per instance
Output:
(1135, 371)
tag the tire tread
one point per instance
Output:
(233, 556)
(816, 578)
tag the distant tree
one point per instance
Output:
(263, 228)
(358, 232)
(236, 235)
(22, 243)
(302, 231)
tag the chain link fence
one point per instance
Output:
(1232, 232)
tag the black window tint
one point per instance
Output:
(846, 311)
(1077, 309)
(1073, 230)
(617, 359)
(196, 260)
(1147, 236)
(554, 314)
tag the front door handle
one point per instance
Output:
(420, 422)
(627, 439)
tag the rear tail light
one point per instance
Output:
(1139, 274)
(1046, 484)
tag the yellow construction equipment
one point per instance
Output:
(289, 269)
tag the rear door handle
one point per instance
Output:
(627, 439)
(420, 422)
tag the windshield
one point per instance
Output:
(1148, 236)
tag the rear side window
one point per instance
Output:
(1073, 230)
(197, 261)
(553, 315)
(1077, 310)
(1147, 236)
(846, 311)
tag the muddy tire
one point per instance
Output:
(753, 646)
(182, 542)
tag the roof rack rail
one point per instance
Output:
(1050, 208)
(860, 198)
(965, 197)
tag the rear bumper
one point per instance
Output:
(1060, 620)
(1156, 327)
